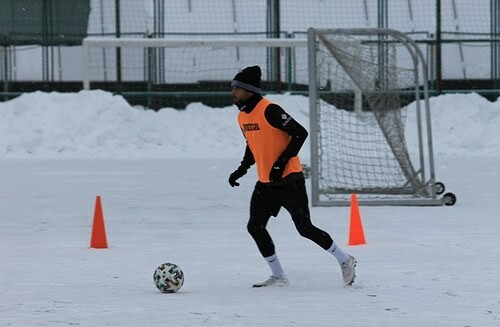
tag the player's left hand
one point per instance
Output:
(277, 170)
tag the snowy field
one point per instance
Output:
(163, 182)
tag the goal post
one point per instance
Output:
(362, 85)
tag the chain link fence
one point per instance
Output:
(460, 38)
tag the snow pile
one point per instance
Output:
(97, 124)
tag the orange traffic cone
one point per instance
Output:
(356, 234)
(98, 239)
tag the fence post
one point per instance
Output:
(273, 31)
(495, 43)
(5, 52)
(118, 50)
(438, 62)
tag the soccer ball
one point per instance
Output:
(168, 277)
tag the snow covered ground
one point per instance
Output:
(163, 182)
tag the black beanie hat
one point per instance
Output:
(248, 79)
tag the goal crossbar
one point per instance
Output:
(190, 42)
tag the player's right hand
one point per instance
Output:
(238, 173)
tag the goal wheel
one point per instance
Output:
(440, 188)
(449, 199)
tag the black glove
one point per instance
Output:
(240, 172)
(277, 169)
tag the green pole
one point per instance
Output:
(273, 31)
(118, 50)
(149, 65)
(6, 75)
(45, 40)
(495, 44)
(439, 74)
(277, 23)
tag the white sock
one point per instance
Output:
(274, 264)
(338, 253)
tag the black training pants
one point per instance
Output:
(266, 202)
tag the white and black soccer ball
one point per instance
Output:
(168, 277)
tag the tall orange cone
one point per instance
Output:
(98, 239)
(356, 233)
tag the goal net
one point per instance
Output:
(362, 84)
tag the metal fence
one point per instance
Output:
(460, 37)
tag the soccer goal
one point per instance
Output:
(188, 61)
(364, 85)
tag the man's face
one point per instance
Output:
(240, 95)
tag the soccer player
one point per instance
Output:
(273, 140)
